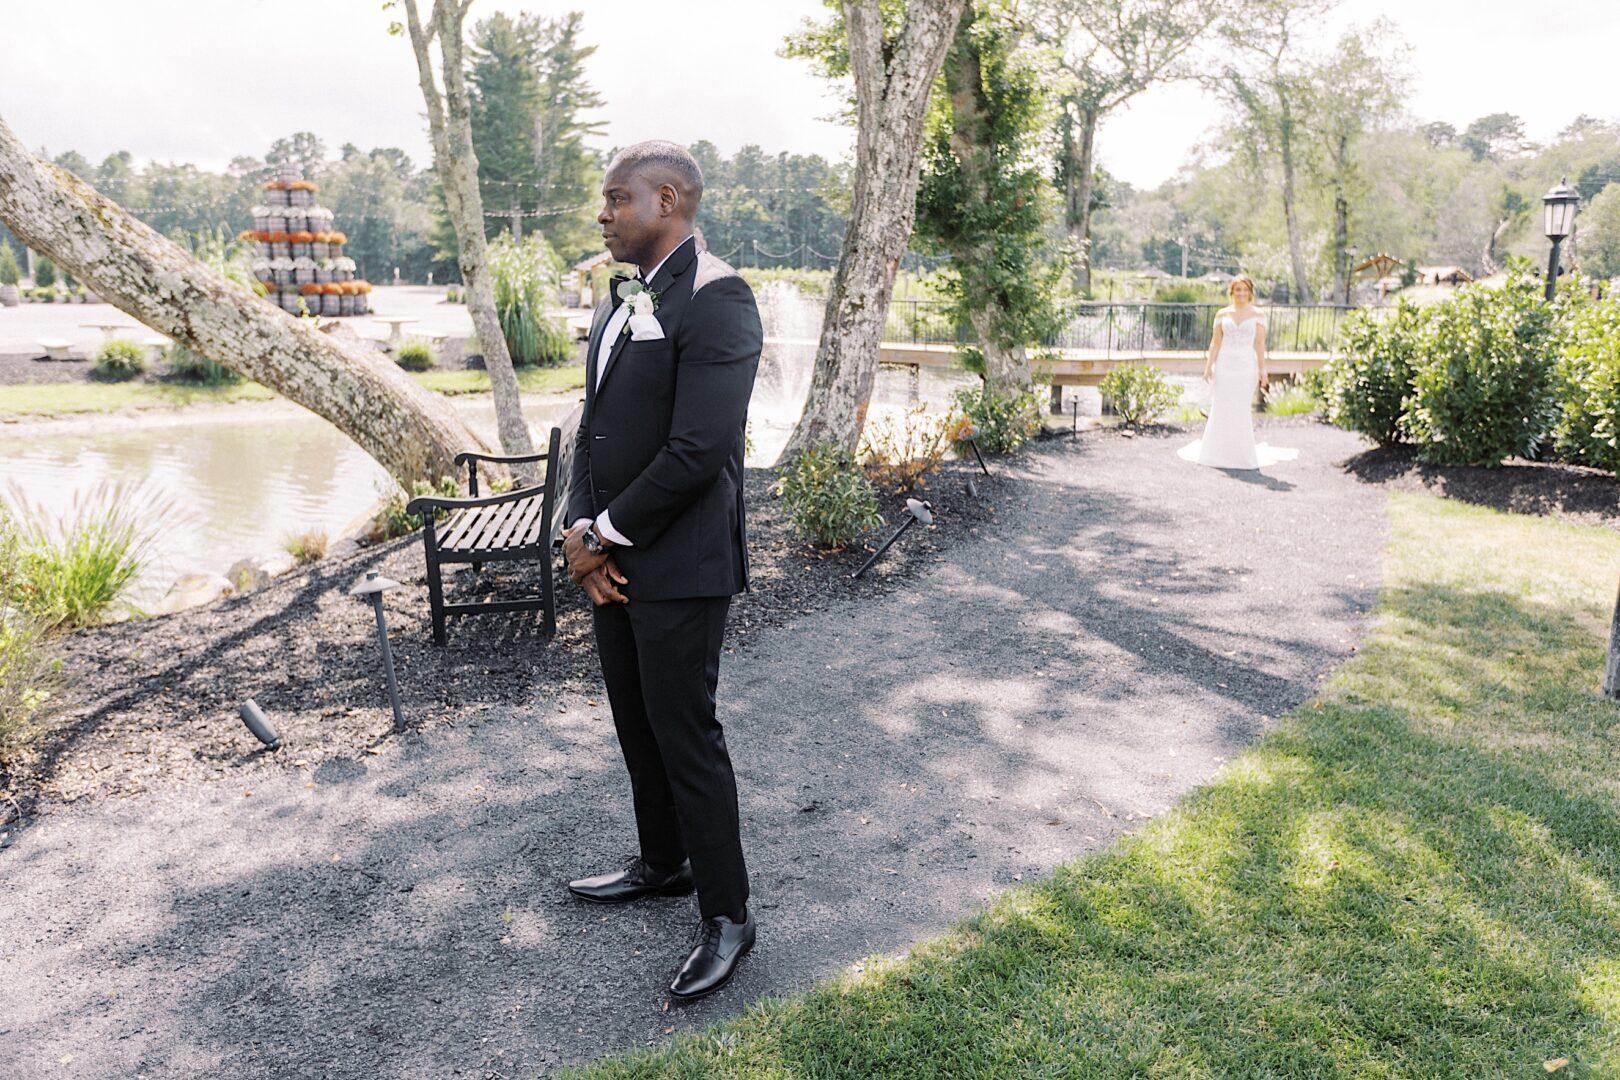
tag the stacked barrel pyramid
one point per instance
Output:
(299, 255)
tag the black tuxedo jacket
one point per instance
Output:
(660, 445)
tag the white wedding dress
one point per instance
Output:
(1228, 441)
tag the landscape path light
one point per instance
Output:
(1558, 207)
(259, 724)
(372, 585)
(968, 432)
(916, 511)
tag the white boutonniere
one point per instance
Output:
(641, 326)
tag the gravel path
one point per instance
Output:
(1125, 623)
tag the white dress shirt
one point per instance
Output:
(610, 334)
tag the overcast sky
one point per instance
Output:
(205, 80)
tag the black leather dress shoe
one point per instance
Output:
(720, 944)
(632, 883)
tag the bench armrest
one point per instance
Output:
(500, 459)
(423, 503)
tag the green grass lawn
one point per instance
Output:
(1415, 875)
(60, 399)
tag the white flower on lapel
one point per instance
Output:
(641, 326)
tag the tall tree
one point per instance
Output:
(1110, 51)
(1495, 137)
(983, 191)
(1265, 79)
(529, 100)
(893, 53)
(412, 433)
(1358, 87)
(450, 122)
(570, 170)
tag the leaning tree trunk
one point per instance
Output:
(456, 162)
(1006, 364)
(414, 434)
(892, 101)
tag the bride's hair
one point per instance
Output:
(1241, 279)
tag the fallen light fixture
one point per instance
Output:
(259, 724)
(915, 511)
(372, 585)
(969, 433)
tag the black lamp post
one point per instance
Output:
(1560, 205)
(1350, 272)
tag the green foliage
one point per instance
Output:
(190, 367)
(118, 360)
(1005, 421)
(44, 272)
(1367, 387)
(1483, 391)
(525, 274)
(72, 570)
(10, 271)
(983, 194)
(394, 521)
(1140, 394)
(30, 680)
(415, 356)
(1600, 234)
(1183, 327)
(1293, 399)
(900, 453)
(530, 99)
(827, 496)
(1587, 384)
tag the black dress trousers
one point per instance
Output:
(661, 664)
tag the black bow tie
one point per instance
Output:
(613, 288)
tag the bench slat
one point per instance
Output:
(503, 514)
(489, 518)
(518, 523)
(453, 527)
(531, 535)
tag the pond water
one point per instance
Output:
(233, 482)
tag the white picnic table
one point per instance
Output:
(395, 323)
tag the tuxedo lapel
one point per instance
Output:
(593, 342)
(675, 265)
(614, 350)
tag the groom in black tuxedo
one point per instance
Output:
(657, 540)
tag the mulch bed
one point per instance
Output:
(1544, 488)
(155, 701)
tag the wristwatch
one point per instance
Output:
(592, 542)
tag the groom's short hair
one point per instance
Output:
(673, 159)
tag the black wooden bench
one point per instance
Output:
(514, 526)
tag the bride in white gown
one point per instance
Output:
(1235, 368)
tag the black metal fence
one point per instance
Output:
(1129, 328)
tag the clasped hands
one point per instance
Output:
(598, 575)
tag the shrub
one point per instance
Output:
(1586, 382)
(71, 571)
(394, 521)
(118, 360)
(1140, 394)
(415, 356)
(1483, 391)
(29, 677)
(1368, 387)
(828, 497)
(1005, 421)
(306, 547)
(1291, 399)
(525, 273)
(30, 680)
(900, 453)
(44, 272)
(44, 294)
(188, 366)
(10, 271)
(1182, 326)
